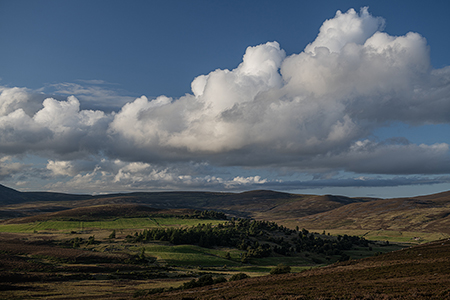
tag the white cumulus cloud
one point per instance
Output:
(312, 111)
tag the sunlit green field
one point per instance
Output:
(119, 223)
(195, 256)
(190, 255)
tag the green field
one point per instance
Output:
(190, 255)
(119, 223)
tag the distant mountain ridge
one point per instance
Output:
(11, 196)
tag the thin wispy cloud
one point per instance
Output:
(93, 94)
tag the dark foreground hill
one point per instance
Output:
(420, 272)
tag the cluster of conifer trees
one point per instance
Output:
(234, 233)
(257, 238)
(321, 244)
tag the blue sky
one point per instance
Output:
(119, 96)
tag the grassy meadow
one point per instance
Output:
(191, 255)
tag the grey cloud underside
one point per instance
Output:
(313, 111)
(354, 182)
(138, 176)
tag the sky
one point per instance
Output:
(311, 97)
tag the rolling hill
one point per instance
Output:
(429, 213)
(96, 212)
(259, 204)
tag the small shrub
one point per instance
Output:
(205, 280)
(190, 284)
(344, 257)
(112, 235)
(281, 269)
(316, 260)
(239, 276)
(220, 279)
(91, 240)
(142, 254)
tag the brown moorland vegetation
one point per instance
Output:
(425, 214)
(33, 266)
(95, 212)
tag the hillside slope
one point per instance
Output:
(429, 213)
(10, 196)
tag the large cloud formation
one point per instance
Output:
(311, 112)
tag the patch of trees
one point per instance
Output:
(235, 233)
(280, 269)
(203, 280)
(322, 244)
(77, 242)
(202, 215)
(208, 279)
(209, 215)
(240, 234)
(258, 238)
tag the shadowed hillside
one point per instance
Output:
(424, 213)
(11, 196)
(260, 204)
(95, 212)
